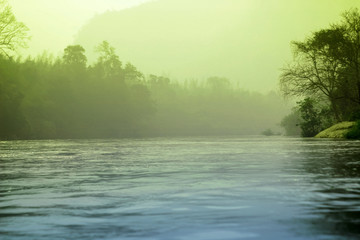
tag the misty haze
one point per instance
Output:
(179, 119)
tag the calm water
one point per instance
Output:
(180, 188)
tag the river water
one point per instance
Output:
(209, 188)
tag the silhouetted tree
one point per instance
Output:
(310, 123)
(75, 55)
(327, 65)
(108, 63)
(351, 45)
(132, 75)
(316, 70)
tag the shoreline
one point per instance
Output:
(338, 130)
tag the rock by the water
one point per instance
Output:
(338, 130)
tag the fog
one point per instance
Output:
(246, 41)
(54, 23)
(101, 69)
(63, 98)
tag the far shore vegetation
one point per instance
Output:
(48, 97)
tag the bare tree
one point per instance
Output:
(13, 34)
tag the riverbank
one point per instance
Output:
(339, 130)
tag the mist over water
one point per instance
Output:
(180, 188)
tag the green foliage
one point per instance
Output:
(108, 62)
(44, 98)
(326, 66)
(75, 55)
(12, 120)
(291, 123)
(310, 124)
(13, 34)
(354, 132)
(311, 116)
(65, 98)
(355, 115)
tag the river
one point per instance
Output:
(205, 188)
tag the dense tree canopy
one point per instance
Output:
(65, 98)
(75, 55)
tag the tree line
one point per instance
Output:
(50, 97)
(325, 72)
(64, 98)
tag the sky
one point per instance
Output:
(246, 41)
(54, 23)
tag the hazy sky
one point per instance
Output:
(263, 31)
(59, 20)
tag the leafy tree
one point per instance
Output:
(354, 132)
(13, 124)
(291, 123)
(64, 98)
(350, 56)
(13, 34)
(316, 69)
(327, 66)
(75, 55)
(37, 104)
(132, 75)
(108, 63)
(310, 124)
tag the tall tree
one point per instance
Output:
(327, 65)
(350, 46)
(13, 33)
(108, 62)
(316, 68)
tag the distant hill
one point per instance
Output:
(244, 40)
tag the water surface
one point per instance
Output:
(180, 188)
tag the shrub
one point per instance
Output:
(268, 132)
(354, 132)
(311, 123)
(291, 123)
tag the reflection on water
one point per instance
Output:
(336, 200)
(188, 188)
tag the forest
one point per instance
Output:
(49, 97)
(67, 96)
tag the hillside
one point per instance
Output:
(246, 41)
